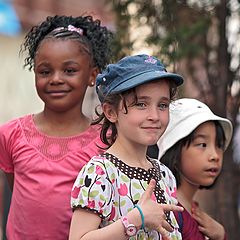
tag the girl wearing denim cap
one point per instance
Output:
(122, 193)
(192, 147)
(42, 153)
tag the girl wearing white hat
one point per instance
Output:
(192, 147)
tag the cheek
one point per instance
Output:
(164, 116)
(39, 84)
(221, 160)
(188, 161)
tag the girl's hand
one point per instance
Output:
(154, 213)
(207, 225)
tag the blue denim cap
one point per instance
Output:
(130, 72)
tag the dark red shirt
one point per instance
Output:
(189, 226)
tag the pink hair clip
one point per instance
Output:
(71, 28)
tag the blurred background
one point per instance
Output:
(198, 39)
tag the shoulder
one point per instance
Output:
(13, 126)
(92, 138)
(93, 187)
(9, 124)
(93, 130)
(100, 163)
(165, 171)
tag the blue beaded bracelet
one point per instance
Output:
(142, 216)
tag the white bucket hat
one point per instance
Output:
(186, 114)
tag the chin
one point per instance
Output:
(207, 184)
(153, 142)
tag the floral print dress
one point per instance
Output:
(111, 188)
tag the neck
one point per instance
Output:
(185, 195)
(130, 154)
(60, 124)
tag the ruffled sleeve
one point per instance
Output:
(92, 189)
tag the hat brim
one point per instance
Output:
(184, 129)
(145, 78)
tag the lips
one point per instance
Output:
(57, 93)
(212, 171)
(151, 127)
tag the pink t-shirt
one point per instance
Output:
(45, 169)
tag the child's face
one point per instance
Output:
(201, 161)
(63, 71)
(147, 119)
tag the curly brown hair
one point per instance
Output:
(96, 38)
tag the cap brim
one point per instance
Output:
(146, 77)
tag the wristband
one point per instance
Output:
(142, 216)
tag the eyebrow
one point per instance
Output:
(147, 97)
(200, 135)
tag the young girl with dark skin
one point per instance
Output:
(123, 194)
(192, 147)
(42, 153)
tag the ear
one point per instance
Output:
(93, 75)
(109, 112)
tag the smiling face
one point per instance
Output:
(147, 116)
(63, 71)
(201, 161)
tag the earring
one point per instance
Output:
(92, 83)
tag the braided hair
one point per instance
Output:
(95, 38)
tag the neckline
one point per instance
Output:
(34, 126)
(135, 172)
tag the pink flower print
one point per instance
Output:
(174, 193)
(167, 191)
(91, 204)
(112, 215)
(153, 197)
(98, 182)
(100, 204)
(99, 170)
(123, 190)
(75, 192)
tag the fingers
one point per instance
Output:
(150, 188)
(167, 226)
(148, 192)
(164, 233)
(169, 207)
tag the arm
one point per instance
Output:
(85, 225)
(10, 179)
(207, 225)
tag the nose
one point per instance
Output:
(56, 79)
(214, 154)
(153, 113)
